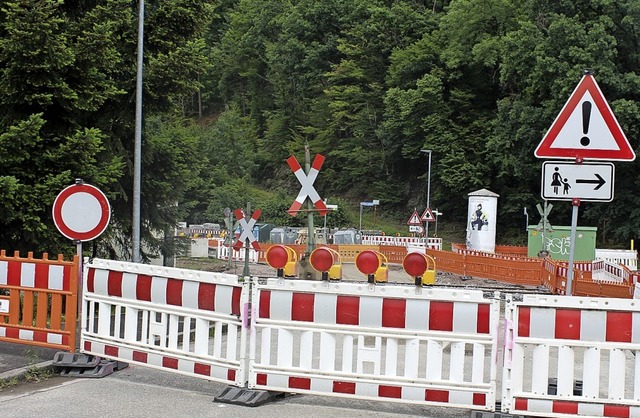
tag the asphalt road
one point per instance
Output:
(139, 391)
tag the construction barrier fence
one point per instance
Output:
(187, 321)
(571, 356)
(403, 344)
(39, 301)
(562, 356)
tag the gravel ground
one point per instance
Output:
(351, 273)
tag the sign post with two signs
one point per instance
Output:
(585, 129)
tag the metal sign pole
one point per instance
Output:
(572, 247)
(245, 271)
(79, 307)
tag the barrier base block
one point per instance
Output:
(64, 359)
(477, 414)
(85, 365)
(246, 397)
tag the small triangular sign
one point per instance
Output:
(586, 128)
(415, 219)
(427, 215)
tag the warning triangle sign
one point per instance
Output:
(427, 216)
(586, 128)
(415, 219)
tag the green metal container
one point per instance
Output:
(559, 242)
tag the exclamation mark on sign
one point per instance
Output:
(586, 115)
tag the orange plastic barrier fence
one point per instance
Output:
(512, 250)
(449, 261)
(524, 272)
(394, 253)
(39, 301)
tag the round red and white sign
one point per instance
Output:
(81, 212)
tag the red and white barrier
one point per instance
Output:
(174, 319)
(402, 344)
(33, 275)
(563, 356)
(588, 348)
(35, 296)
(412, 243)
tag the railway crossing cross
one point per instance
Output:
(307, 190)
(247, 230)
(544, 224)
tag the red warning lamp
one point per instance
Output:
(415, 264)
(368, 263)
(277, 257)
(420, 266)
(322, 259)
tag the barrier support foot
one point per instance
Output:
(85, 365)
(247, 397)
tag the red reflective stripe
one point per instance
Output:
(617, 411)
(143, 287)
(174, 292)
(206, 296)
(436, 395)
(619, 327)
(348, 310)
(483, 318)
(344, 387)
(522, 404)
(235, 301)
(139, 356)
(394, 313)
(170, 363)
(390, 391)
(441, 316)
(261, 379)
(302, 307)
(42, 276)
(568, 324)
(110, 350)
(524, 321)
(203, 369)
(299, 383)
(563, 407)
(14, 269)
(114, 283)
(91, 280)
(265, 304)
(479, 399)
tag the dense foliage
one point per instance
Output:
(234, 87)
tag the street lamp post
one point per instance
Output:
(426, 234)
(137, 151)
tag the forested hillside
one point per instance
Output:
(234, 87)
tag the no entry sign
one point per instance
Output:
(81, 212)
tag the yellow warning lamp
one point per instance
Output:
(284, 259)
(327, 261)
(420, 266)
